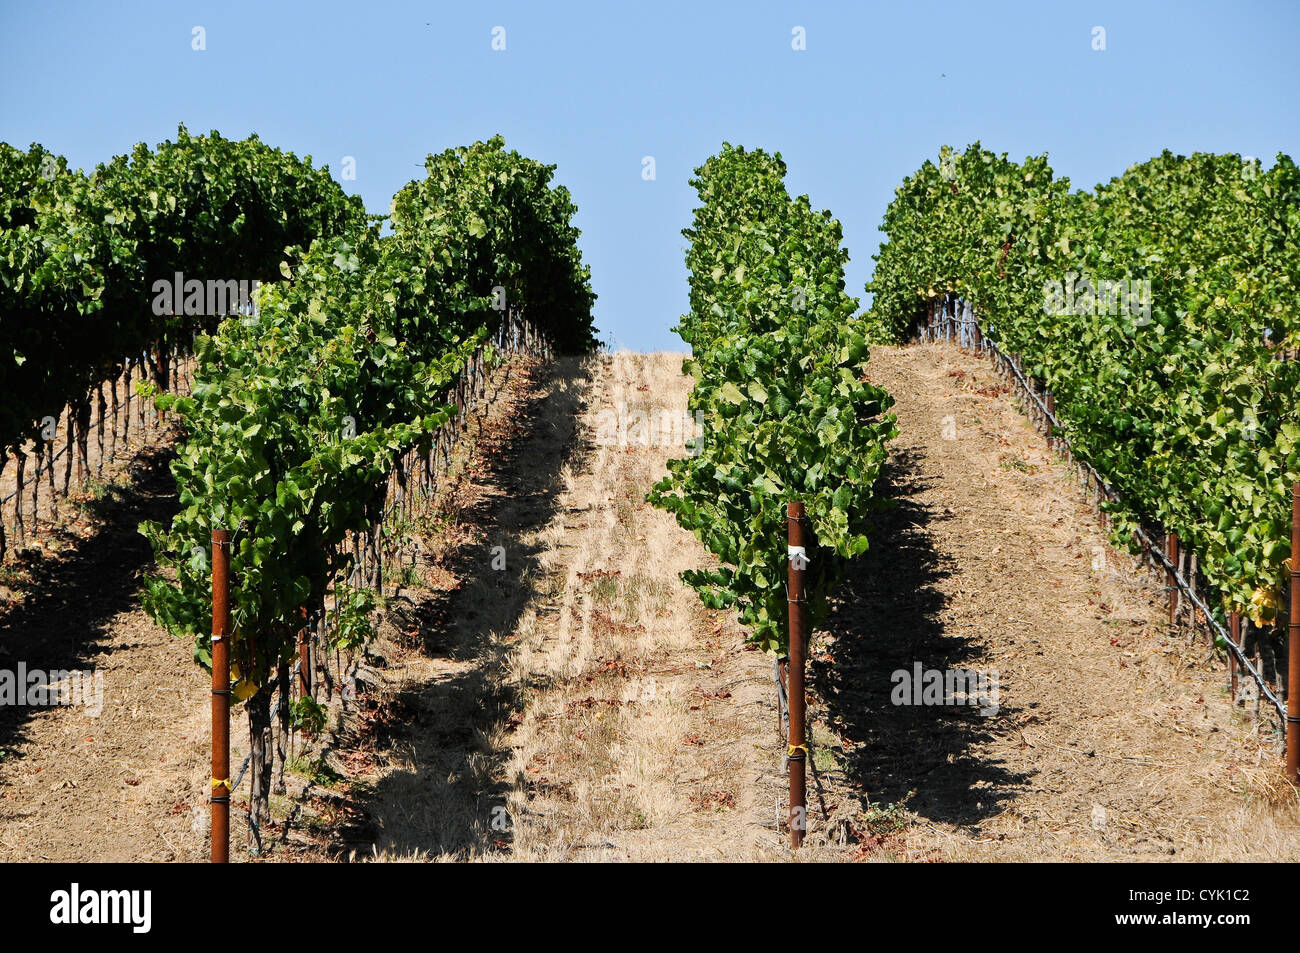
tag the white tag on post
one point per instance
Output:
(798, 558)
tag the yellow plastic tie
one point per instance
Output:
(794, 748)
(218, 783)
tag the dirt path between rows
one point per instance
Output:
(649, 730)
(1113, 739)
(121, 776)
(549, 690)
(579, 703)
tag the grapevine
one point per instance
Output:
(780, 380)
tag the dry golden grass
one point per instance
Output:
(590, 709)
(639, 738)
(1116, 739)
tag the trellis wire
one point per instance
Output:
(988, 344)
(375, 547)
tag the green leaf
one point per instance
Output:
(731, 393)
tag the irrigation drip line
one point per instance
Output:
(242, 768)
(782, 702)
(1218, 629)
(1109, 491)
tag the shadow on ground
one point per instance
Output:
(886, 617)
(448, 796)
(70, 599)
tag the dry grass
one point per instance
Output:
(639, 738)
(1115, 739)
(589, 708)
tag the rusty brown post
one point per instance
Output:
(797, 751)
(304, 657)
(1051, 414)
(1293, 649)
(1234, 633)
(220, 793)
(1171, 553)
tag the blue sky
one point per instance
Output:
(595, 87)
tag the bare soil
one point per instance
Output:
(546, 688)
(578, 703)
(1115, 738)
(125, 781)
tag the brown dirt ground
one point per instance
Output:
(648, 731)
(578, 703)
(1115, 738)
(581, 704)
(126, 784)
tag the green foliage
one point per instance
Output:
(79, 254)
(881, 820)
(295, 418)
(351, 617)
(780, 382)
(1186, 410)
(299, 413)
(222, 208)
(62, 260)
(485, 218)
(307, 715)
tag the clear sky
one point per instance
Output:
(595, 87)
